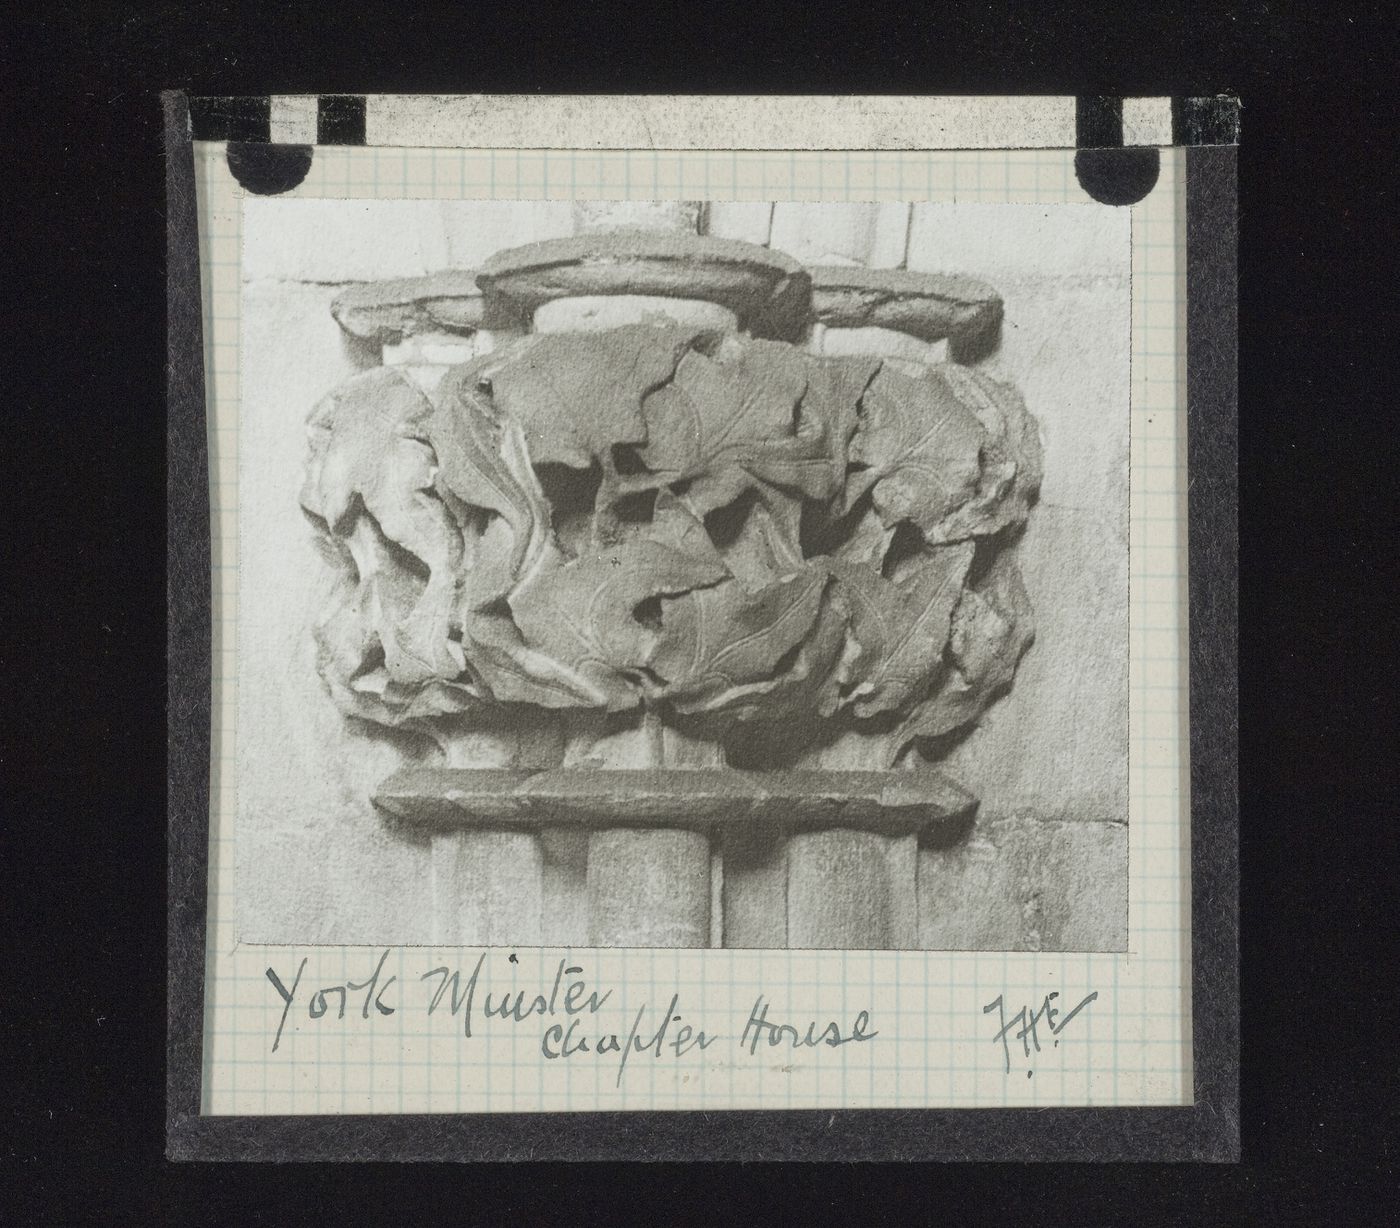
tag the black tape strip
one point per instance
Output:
(189, 651)
(340, 119)
(1205, 121)
(1098, 122)
(231, 119)
(1212, 418)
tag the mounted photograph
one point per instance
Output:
(683, 574)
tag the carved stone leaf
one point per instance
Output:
(372, 460)
(758, 537)
(515, 673)
(367, 448)
(347, 643)
(434, 698)
(832, 403)
(576, 395)
(588, 614)
(675, 524)
(727, 422)
(861, 537)
(776, 715)
(920, 447)
(991, 630)
(901, 629)
(357, 640)
(483, 464)
(378, 697)
(724, 637)
(1012, 462)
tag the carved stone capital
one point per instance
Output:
(644, 514)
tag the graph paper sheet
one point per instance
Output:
(349, 1022)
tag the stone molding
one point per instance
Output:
(388, 311)
(760, 286)
(702, 798)
(930, 306)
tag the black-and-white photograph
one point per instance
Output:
(683, 574)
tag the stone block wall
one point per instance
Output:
(1050, 761)
(1045, 866)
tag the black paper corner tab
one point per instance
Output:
(1111, 173)
(268, 170)
(340, 119)
(1117, 176)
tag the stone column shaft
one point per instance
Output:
(496, 887)
(646, 886)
